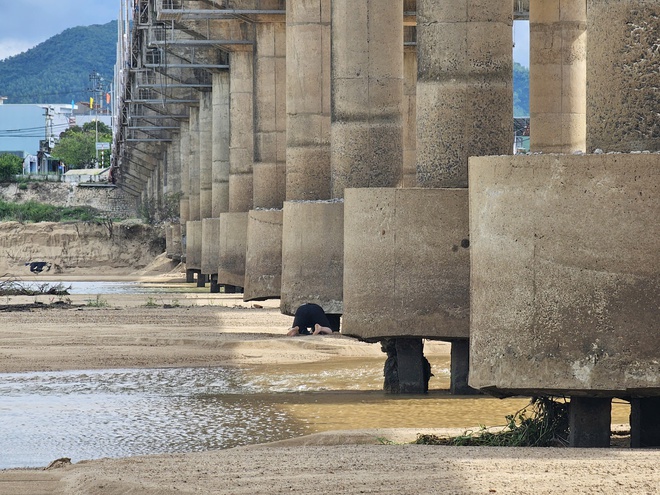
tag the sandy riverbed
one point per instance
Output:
(205, 330)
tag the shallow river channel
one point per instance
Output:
(127, 412)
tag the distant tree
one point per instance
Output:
(10, 165)
(91, 127)
(520, 91)
(77, 146)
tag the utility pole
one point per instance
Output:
(96, 88)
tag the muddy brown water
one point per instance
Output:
(119, 413)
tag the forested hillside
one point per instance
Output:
(57, 70)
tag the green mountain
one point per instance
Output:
(57, 70)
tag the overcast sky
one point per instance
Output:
(26, 23)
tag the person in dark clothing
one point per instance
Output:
(38, 266)
(310, 319)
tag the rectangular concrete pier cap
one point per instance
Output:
(233, 245)
(210, 246)
(565, 274)
(406, 263)
(263, 260)
(194, 245)
(312, 255)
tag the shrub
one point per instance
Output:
(10, 166)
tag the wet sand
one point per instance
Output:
(125, 331)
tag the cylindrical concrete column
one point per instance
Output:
(193, 168)
(367, 90)
(269, 168)
(623, 74)
(205, 154)
(173, 175)
(184, 161)
(464, 88)
(241, 142)
(220, 147)
(558, 75)
(308, 99)
(409, 176)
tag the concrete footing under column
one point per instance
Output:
(645, 422)
(214, 287)
(406, 369)
(460, 368)
(263, 261)
(201, 279)
(589, 422)
(233, 244)
(312, 255)
(210, 247)
(190, 275)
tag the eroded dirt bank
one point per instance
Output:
(82, 247)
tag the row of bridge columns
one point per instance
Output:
(339, 175)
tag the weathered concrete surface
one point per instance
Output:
(308, 99)
(565, 276)
(173, 241)
(210, 246)
(409, 104)
(623, 71)
(406, 263)
(220, 145)
(558, 76)
(205, 155)
(464, 86)
(184, 160)
(263, 260)
(269, 168)
(367, 92)
(233, 245)
(194, 168)
(194, 245)
(312, 255)
(241, 142)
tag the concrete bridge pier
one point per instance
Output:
(312, 226)
(463, 107)
(367, 151)
(233, 223)
(263, 262)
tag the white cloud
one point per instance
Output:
(11, 47)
